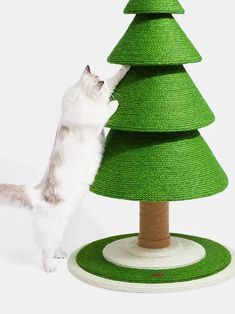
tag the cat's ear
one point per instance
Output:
(87, 70)
(99, 86)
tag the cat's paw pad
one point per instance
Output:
(60, 254)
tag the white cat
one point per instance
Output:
(74, 161)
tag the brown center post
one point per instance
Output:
(154, 225)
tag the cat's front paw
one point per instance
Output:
(113, 106)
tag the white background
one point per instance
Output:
(44, 47)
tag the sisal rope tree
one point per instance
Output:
(154, 152)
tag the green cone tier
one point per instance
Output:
(154, 39)
(159, 99)
(153, 6)
(158, 167)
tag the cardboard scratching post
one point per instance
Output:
(155, 154)
(154, 225)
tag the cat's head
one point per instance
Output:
(91, 86)
(86, 103)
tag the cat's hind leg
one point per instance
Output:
(49, 231)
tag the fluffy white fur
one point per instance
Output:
(74, 162)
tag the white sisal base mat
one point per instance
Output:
(78, 272)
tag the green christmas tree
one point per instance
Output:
(154, 151)
(155, 154)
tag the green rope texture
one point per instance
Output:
(91, 259)
(159, 99)
(153, 6)
(154, 39)
(158, 167)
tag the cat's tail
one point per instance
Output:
(15, 195)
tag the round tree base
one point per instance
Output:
(118, 263)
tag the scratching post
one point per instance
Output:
(154, 154)
(154, 225)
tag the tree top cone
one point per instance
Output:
(153, 6)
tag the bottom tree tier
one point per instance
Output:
(158, 167)
(190, 262)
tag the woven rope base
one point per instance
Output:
(89, 265)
